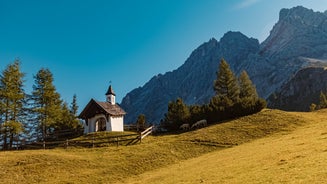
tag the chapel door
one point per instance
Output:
(100, 125)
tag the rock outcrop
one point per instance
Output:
(299, 33)
(301, 91)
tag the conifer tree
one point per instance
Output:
(196, 113)
(226, 84)
(249, 98)
(178, 113)
(74, 106)
(67, 119)
(247, 89)
(140, 122)
(12, 100)
(233, 97)
(74, 122)
(323, 101)
(46, 102)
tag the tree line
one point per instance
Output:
(322, 104)
(234, 97)
(32, 116)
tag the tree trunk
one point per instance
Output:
(11, 140)
(0, 130)
(5, 140)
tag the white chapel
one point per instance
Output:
(103, 116)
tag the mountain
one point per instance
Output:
(299, 33)
(297, 44)
(193, 81)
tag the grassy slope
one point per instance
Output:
(108, 165)
(297, 157)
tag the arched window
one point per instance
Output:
(100, 125)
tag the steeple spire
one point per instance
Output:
(110, 95)
(110, 91)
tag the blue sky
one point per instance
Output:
(87, 44)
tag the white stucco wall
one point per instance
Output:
(108, 126)
(117, 123)
(92, 126)
(111, 99)
(86, 127)
(112, 124)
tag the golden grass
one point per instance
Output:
(157, 153)
(296, 157)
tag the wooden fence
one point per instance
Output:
(90, 141)
(65, 134)
(145, 133)
(130, 127)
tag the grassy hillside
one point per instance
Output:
(156, 153)
(297, 157)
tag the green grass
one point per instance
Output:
(118, 164)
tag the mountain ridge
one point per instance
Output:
(187, 80)
(299, 33)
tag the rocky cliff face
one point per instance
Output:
(193, 81)
(302, 90)
(299, 34)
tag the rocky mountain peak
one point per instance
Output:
(299, 32)
(301, 16)
(295, 12)
(233, 42)
(204, 49)
(231, 38)
(234, 36)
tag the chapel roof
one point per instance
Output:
(96, 107)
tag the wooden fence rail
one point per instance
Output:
(90, 141)
(145, 133)
(85, 142)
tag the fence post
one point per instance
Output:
(43, 144)
(66, 143)
(93, 141)
(140, 137)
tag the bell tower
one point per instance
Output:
(111, 96)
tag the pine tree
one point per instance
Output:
(67, 119)
(12, 101)
(233, 97)
(226, 84)
(74, 106)
(140, 122)
(178, 114)
(196, 113)
(247, 89)
(74, 122)
(249, 99)
(323, 101)
(46, 102)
